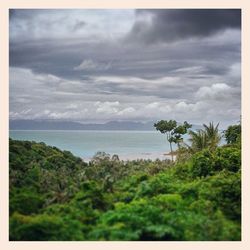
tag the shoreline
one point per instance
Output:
(142, 156)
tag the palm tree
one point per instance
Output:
(199, 140)
(213, 135)
(207, 138)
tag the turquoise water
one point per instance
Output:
(140, 144)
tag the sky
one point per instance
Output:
(125, 65)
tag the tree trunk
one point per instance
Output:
(171, 151)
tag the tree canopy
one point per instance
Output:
(56, 196)
(209, 137)
(233, 133)
(173, 131)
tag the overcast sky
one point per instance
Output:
(138, 65)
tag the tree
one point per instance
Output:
(174, 133)
(233, 134)
(179, 131)
(199, 140)
(209, 137)
(213, 135)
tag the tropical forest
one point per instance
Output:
(195, 195)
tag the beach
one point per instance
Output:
(141, 156)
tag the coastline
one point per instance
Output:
(141, 156)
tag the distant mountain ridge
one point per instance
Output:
(68, 125)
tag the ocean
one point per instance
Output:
(128, 145)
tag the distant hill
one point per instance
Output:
(67, 125)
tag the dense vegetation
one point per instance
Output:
(56, 196)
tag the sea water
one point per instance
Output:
(126, 144)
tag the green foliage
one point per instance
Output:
(207, 162)
(226, 193)
(174, 133)
(90, 195)
(56, 196)
(199, 140)
(203, 164)
(179, 131)
(25, 201)
(165, 217)
(213, 135)
(133, 221)
(165, 126)
(233, 134)
(209, 137)
(43, 228)
(228, 158)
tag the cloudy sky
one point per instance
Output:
(136, 65)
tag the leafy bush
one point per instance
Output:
(25, 201)
(208, 162)
(43, 228)
(233, 134)
(228, 158)
(202, 164)
(226, 193)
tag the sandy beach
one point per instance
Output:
(144, 156)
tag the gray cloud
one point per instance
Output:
(160, 25)
(90, 65)
(61, 57)
(86, 74)
(79, 25)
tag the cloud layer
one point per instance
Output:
(161, 25)
(102, 65)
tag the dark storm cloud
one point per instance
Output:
(83, 60)
(20, 14)
(170, 25)
(61, 58)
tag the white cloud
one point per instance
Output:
(34, 98)
(107, 107)
(89, 64)
(132, 81)
(235, 73)
(193, 70)
(49, 79)
(92, 24)
(72, 106)
(153, 105)
(157, 107)
(218, 91)
(126, 111)
(25, 112)
(184, 107)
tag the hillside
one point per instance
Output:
(56, 196)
